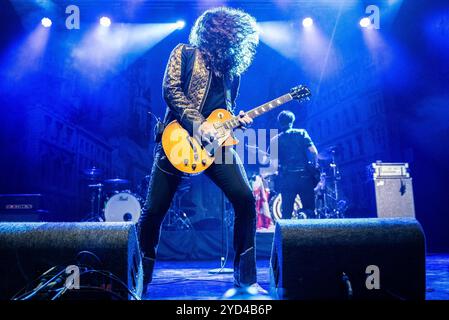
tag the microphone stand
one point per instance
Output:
(224, 256)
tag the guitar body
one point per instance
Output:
(185, 152)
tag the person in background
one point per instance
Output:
(297, 160)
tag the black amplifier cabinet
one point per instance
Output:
(335, 259)
(28, 249)
(21, 207)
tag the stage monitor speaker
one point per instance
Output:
(341, 259)
(27, 250)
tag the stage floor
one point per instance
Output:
(190, 280)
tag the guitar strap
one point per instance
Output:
(228, 94)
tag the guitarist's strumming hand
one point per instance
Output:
(245, 120)
(207, 131)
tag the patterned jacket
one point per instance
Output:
(185, 86)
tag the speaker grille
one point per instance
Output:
(29, 249)
(309, 258)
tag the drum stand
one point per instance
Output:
(331, 207)
(95, 208)
(338, 210)
(93, 175)
(176, 218)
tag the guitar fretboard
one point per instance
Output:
(258, 111)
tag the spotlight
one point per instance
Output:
(46, 22)
(307, 22)
(365, 22)
(105, 21)
(180, 24)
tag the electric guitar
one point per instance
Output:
(191, 155)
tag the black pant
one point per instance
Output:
(293, 183)
(231, 179)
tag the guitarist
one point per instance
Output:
(296, 174)
(199, 78)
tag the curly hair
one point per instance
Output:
(228, 39)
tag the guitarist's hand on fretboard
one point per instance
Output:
(245, 120)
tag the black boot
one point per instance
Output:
(148, 266)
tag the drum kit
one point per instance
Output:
(111, 200)
(182, 209)
(329, 202)
(178, 217)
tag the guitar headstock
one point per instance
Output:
(300, 93)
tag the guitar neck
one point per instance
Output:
(260, 110)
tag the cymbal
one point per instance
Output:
(92, 172)
(116, 181)
(328, 153)
(332, 148)
(98, 185)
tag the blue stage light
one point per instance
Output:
(307, 22)
(365, 22)
(46, 22)
(180, 24)
(105, 21)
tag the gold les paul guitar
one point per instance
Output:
(192, 155)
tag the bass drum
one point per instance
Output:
(276, 208)
(121, 207)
